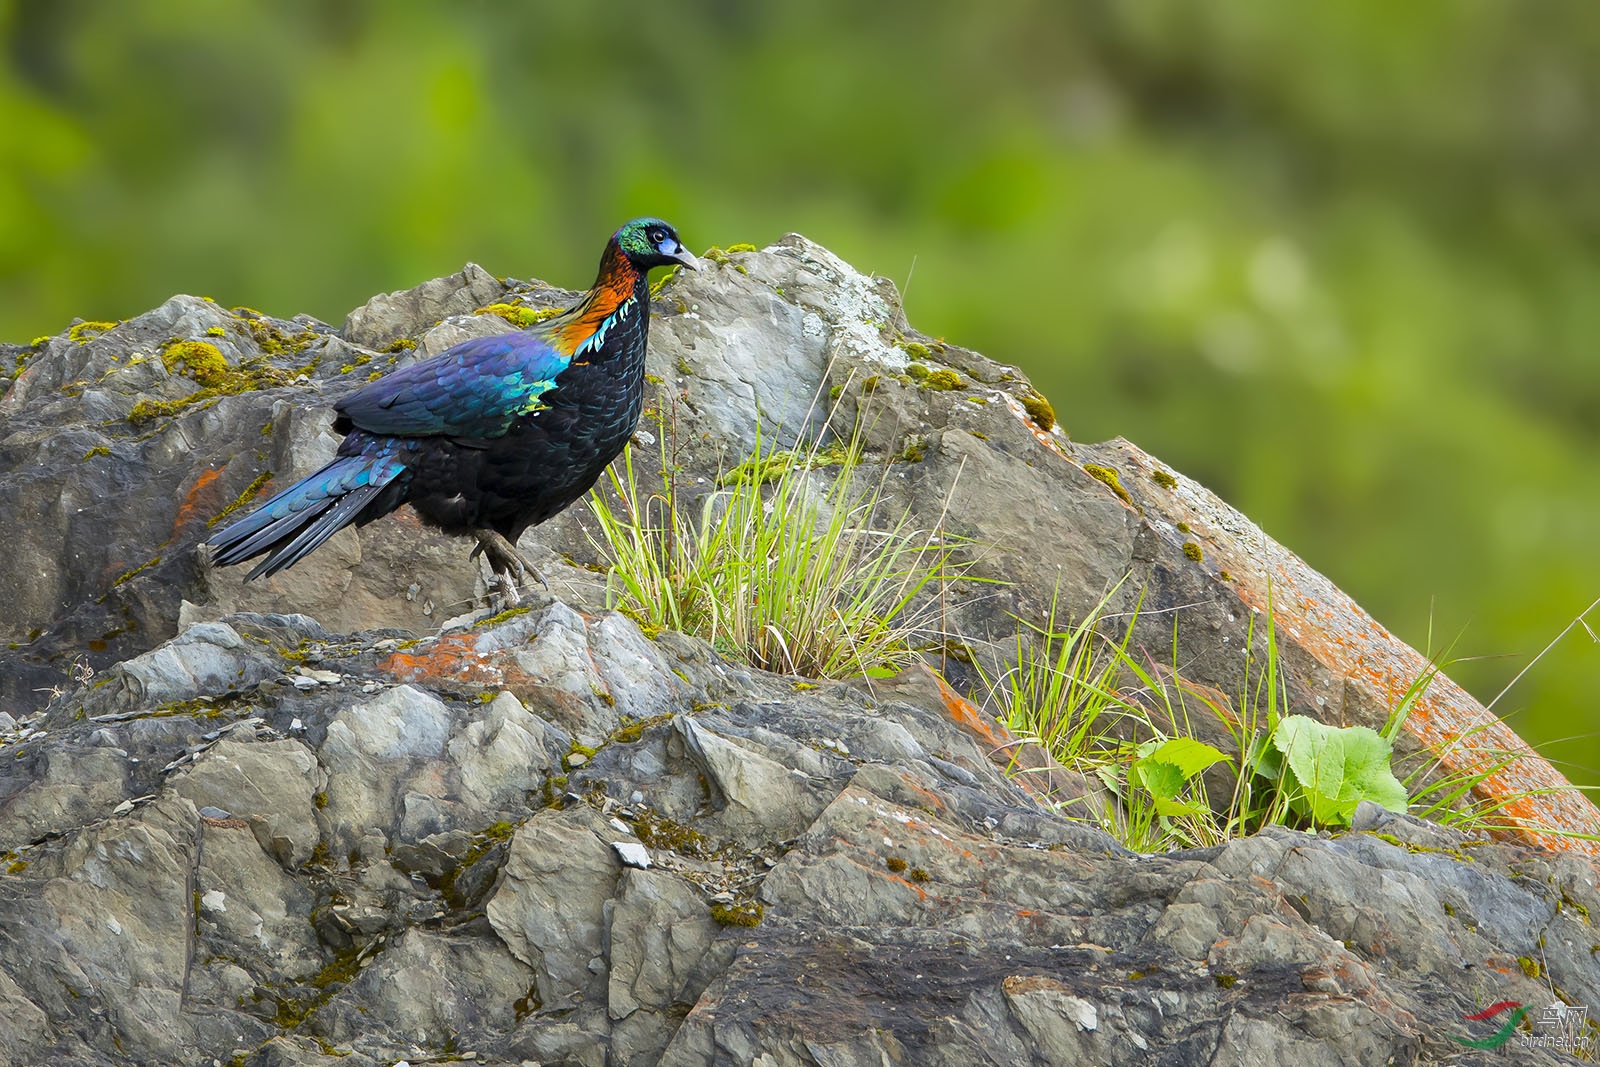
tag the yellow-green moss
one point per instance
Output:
(1193, 551)
(504, 616)
(1529, 965)
(216, 331)
(580, 750)
(941, 380)
(895, 864)
(916, 350)
(658, 831)
(684, 368)
(129, 575)
(1224, 981)
(272, 340)
(869, 385)
(775, 465)
(251, 491)
(97, 450)
(1225, 576)
(38, 341)
(517, 315)
(915, 450)
(917, 874)
(630, 732)
(200, 360)
(743, 246)
(403, 344)
(746, 913)
(1108, 477)
(1039, 410)
(1163, 479)
(84, 332)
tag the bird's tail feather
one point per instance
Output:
(303, 516)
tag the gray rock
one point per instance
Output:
(552, 901)
(661, 930)
(71, 789)
(372, 751)
(763, 797)
(312, 829)
(393, 316)
(272, 786)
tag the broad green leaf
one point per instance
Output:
(1188, 755)
(1333, 769)
(1164, 768)
(1163, 780)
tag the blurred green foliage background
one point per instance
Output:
(1338, 261)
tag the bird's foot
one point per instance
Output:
(510, 566)
(503, 592)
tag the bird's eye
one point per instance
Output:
(657, 236)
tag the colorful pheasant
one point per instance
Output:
(487, 438)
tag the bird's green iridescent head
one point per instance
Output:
(652, 243)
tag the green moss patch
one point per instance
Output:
(775, 465)
(204, 363)
(199, 360)
(1163, 479)
(1040, 411)
(746, 913)
(84, 332)
(517, 315)
(1108, 477)
(942, 380)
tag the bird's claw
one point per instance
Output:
(509, 566)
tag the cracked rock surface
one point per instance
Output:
(341, 816)
(821, 875)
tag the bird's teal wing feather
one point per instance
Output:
(475, 389)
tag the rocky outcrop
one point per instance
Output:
(344, 815)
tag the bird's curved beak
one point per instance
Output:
(685, 257)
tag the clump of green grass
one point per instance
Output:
(1146, 734)
(793, 577)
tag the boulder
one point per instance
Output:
(346, 815)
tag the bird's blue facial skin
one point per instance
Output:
(652, 243)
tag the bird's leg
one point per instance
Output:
(509, 565)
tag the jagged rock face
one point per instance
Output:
(292, 822)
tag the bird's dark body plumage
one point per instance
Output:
(494, 434)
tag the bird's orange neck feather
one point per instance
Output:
(618, 282)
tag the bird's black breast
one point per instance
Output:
(549, 457)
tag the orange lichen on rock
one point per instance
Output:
(198, 502)
(450, 662)
(971, 718)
